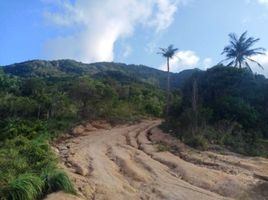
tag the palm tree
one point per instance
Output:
(240, 50)
(168, 53)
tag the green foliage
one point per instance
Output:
(21, 169)
(231, 111)
(48, 98)
(197, 141)
(14, 127)
(168, 52)
(162, 147)
(240, 50)
(56, 180)
(29, 171)
(237, 109)
(25, 154)
(123, 73)
(24, 187)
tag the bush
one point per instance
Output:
(14, 127)
(197, 141)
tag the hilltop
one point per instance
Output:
(102, 70)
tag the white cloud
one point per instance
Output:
(97, 25)
(207, 63)
(187, 60)
(164, 17)
(263, 60)
(182, 60)
(263, 2)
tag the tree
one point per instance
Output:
(168, 53)
(85, 92)
(240, 50)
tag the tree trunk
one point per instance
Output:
(194, 106)
(39, 112)
(168, 88)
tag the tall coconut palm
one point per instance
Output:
(240, 51)
(168, 53)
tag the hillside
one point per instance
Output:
(42, 100)
(103, 70)
(230, 109)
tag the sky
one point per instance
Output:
(129, 31)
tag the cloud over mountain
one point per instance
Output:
(93, 27)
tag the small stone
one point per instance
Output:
(77, 131)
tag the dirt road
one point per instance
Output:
(140, 162)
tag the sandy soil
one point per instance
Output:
(140, 162)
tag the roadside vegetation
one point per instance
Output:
(39, 100)
(35, 110)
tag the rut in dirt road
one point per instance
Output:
(124, 163)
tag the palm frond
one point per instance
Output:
(240, 49)
(230, 64)
(247, 66)
(256, 62)
(168, 52)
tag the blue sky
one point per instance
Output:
(129, 31)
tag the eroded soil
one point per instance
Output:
(140, 162)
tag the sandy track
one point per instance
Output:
(124, 163)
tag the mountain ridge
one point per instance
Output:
(127, 72)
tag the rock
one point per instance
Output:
(89, 192)
(65, 152)
(72, 152)
(55, 150)
(68, 164)
(79, 130)
(261, 176)
(61, 196)
(79, 169)
(62, 148)
(89, 127)
(101, 125)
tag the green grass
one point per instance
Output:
(30, 170)
(25, 187)
(56, 180)
(162, 147)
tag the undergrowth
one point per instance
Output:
(28, 167)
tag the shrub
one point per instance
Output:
(14, 127)
(162, 147)
(197, 141)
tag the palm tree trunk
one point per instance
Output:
(168, 88)
(194, 106)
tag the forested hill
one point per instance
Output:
(119, 71)
(231, 110)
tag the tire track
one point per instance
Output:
(123, 163)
